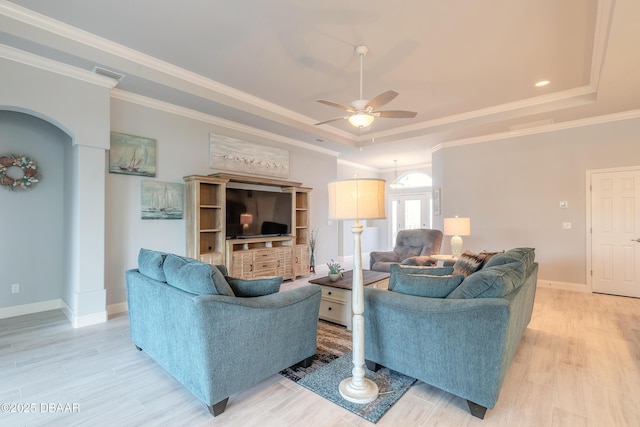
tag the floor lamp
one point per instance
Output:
(356, 199)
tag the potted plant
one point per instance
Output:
(313, 240)
(335, 270)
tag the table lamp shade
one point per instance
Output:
(457, 226)
(357, 199)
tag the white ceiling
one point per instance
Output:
(467, 67)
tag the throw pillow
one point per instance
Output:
(255, 287)
(195, 277)
(424, 285)
(487, 256)
(491, 282)
(468, 263)
(150, 263)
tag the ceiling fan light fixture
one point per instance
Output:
(361, 120)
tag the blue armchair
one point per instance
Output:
(186, 316)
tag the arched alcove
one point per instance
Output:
(33, 228)
(77, 104)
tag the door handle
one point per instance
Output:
(635, 240)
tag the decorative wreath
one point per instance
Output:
(30, 175)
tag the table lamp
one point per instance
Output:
(356, 199)
(457, 227)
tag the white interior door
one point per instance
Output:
(409, 212)
(615, 232)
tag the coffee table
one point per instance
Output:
(335, 305)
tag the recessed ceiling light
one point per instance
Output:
(542, 83)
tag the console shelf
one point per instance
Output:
(286, 256)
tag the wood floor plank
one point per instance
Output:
(577, 365)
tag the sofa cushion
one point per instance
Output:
(491, 282)
(150, 263)
(255, 287)
(195, 277)
(397, 269)
(527, 255)
(424, 285)
(468, 263)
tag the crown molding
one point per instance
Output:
(207, 118)
(590, 121)
(571, 97)
(357, 165)
(156, 70)
(31, 60)
(602, 29)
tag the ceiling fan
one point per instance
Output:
(363, 112)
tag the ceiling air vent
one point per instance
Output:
(108, 73)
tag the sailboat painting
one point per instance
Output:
(162, 200)
(132, 155)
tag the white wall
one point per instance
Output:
(31, 225)
(183, 149)
(511, 190)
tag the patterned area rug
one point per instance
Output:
(332, 363)
(333, 341)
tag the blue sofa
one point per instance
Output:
(218, 335)
(453, 332)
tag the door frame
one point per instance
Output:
(589, 249)
(408, 194)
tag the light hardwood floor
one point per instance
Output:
(578, 365)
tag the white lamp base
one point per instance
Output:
(456, 246)
(367, 392)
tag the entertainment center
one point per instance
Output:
(256, 227)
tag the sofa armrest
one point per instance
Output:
(382, 256)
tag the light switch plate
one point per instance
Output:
(566, 226)
(564, 205)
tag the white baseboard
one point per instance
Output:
(120, 307)
(36, 307)
(85, 320)
(565, 286)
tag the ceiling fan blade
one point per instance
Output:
(395, 114)
(331, 120)
(382, 99)
(333, 104)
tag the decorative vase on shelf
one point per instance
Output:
(334, 276)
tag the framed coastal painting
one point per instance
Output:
(240, 156)
(132, 155)
(162, 200)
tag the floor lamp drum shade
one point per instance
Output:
(357, 199)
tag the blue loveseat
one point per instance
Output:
(455, 333)
(218, 335)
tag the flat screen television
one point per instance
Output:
(257, 213)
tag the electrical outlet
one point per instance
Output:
(15, 288)
(566, 226)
